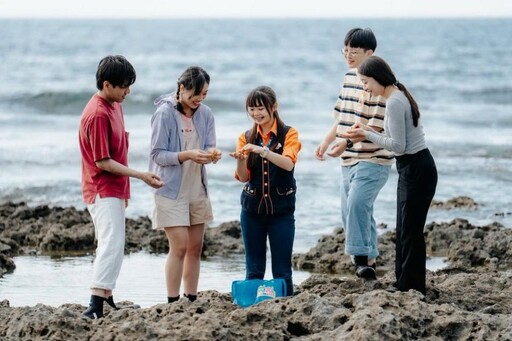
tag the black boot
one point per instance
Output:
(171, 299)
(110, 301)
(362, 268)
(190, 297)
(95, 310)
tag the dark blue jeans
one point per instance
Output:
(280, 230)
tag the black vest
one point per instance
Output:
(271, 190)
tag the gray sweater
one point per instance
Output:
(400, 135)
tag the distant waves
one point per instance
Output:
(72, 103)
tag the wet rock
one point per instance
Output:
(6, 264)
(469, 299)
(458, 202)
(328, 256)
(58, 237)
(223, 240)
(51, 230)
(325, 308)
(487, 246)
(464, 244)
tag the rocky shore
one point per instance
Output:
(469, 299)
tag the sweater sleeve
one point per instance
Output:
(394, 137)
(211, 139)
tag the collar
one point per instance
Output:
(272, 130)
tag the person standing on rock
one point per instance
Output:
(183, 141)
(417, 173)
(266, 156)
(105, 175)
(365, 166)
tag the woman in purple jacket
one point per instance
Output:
(182, 142)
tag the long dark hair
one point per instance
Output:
(194, 77)
(266, 97)
(377, 68)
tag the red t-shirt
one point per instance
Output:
(102, 135)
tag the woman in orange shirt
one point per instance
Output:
(266, 156)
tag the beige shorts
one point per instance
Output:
(168, 212)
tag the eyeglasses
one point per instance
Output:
(348, 53)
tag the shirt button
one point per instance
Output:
(266, 184)
(265, 173)
(265, 161)
(266, 195)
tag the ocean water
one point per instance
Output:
(458, 70)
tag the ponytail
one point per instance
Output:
(376, 68)
(414, 106)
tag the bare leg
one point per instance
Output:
(100, 292)
(193, 258)
(178, 240)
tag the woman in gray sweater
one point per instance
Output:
(417, 175)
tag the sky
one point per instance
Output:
(250, 9)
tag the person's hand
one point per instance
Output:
(252, 148)
(125, 203)
(337, 148)
(152, 180)
(199, 156)
(239, 155)
(320, 150)
(356, 131)
(215, 154)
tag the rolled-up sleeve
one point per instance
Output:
(240, 144)
(161, 128)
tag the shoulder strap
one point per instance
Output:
(282, 138)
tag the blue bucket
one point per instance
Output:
(250, 291)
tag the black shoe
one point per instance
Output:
(95, 310)
(362, 268)
(366, 272)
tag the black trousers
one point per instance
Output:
(417, 181)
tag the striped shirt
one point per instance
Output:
(354, 105)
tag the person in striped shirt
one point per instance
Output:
(365, 166)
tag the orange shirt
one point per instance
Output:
(291, 147)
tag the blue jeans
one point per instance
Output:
(360, 186)
(281, 233)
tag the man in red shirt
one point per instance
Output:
(105, 175)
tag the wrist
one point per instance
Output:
(264, 152)
(182, 156)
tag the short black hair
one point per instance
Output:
(116, 70)
(361, 37)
